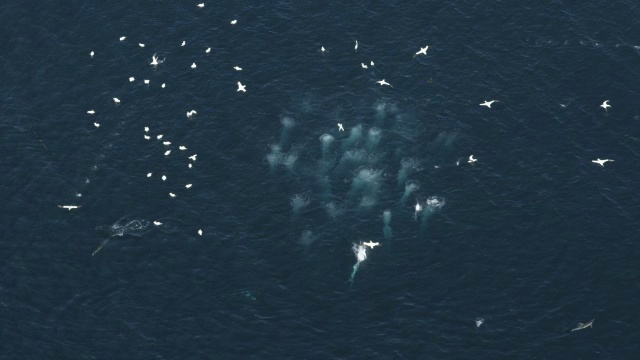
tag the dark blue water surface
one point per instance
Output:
(533, 238)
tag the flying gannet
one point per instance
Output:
(471, 159)
(423, 51)
(383, 82)
(191, 113)
(371, 244)
(193, 66)
(601, 161)
(241, 87)
(340, 127)
(69, 207)
(488, 103)
(605, 105)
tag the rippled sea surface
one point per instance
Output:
(533, 238)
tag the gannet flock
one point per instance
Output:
(288, 159)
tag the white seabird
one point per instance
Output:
(163, 85)
(149, 174)
(340, 127)
(201, 5)
(601, 161)
(355, 48)
(193, 157)
(371, 63)
(191, 113)
(383, 82)
(132, 79)
(364, 66)
(237, 68)
(116, 100)
(322, 49)
(190, 165)
(479, 321)
(91, 54)
(166, 143)
(371, 244)
(159, 136)
(155, 61)
(96, 124)
(188, 186)
(423, 51)
(233, 22)
(146, 82)
(605, 105)
(183, 43)
(166, 153)
(141, 45)
(488, 103)
(147, 137)
(471, 159)
(193, 66)
(164, 177)
(69, 207)
(241, 87)
(182, 147)
(200, 232)
(172, 194)
(122, 38)
(91, 112)
(208, 50)
(146, 129)
(157, 223)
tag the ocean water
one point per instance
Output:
(533, 238)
